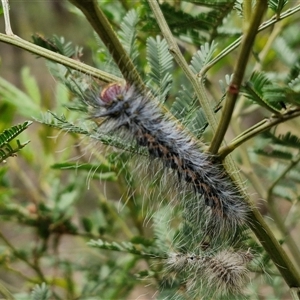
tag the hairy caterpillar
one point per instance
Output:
(142, 118)
(224, 272)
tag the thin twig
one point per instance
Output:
(257, 129)
(101, 25)
(21, 257)
(58, 58)
(8, 29)
(238, 74)
(276, 215)
(5, 292)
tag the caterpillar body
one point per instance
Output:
(126, 108)
(224, 272)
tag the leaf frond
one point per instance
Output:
(7, 136)
(59, 45)
(202, 56)
(277, 5)
(160, 62)
(288, 139)
(122, 247)
(184, 104)
(284, 52)
(41, 292)
(128, 34)
(275, 153)
(256, 89)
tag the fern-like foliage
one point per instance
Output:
(160, 62)
(40, 292)
(202, 56)
(255, 88)
(285, 148)
(60, 122)
(285, 52)
(127, 247)
(288, 139)
(163, 232)
(275, 153)
(128, 34)
(186, 109)
(7, 136)
(184, 105)
(196, 29)
(277, 5)
(59, 45)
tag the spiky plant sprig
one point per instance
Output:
(8, 136)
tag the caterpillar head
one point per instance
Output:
(113, 92)
(112, 100)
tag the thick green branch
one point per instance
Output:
(257, 129)
(275, 251)
(277, 216)
(58, 58)
(238, 75)
(103, 28)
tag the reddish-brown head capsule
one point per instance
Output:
(111, 92)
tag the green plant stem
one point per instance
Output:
(5, 6)
(175, 51)
(260, 189)
(247, 12)
(262, 55)
(295, 292)
(58, 58)
(5, 292)
(237, 42)
(101, 25)
(20, 274)
(276, 215)
(238, 74)
(257, 129)
(273, 248)
(16, 253)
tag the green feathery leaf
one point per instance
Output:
(41, 292)
(123, 247)
(255, 88)
(163, 232)
(275, 153)
(128, 34)
(277, 5)
(284, 192)
(184, 104)
(197, 123)
(186, 109)
(202, 56)
(6, 150)
(61, 122)
(288, 139)
(284, 51)
(9, 134)
(59, 45)
(161, 62)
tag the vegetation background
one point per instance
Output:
(64, 189)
